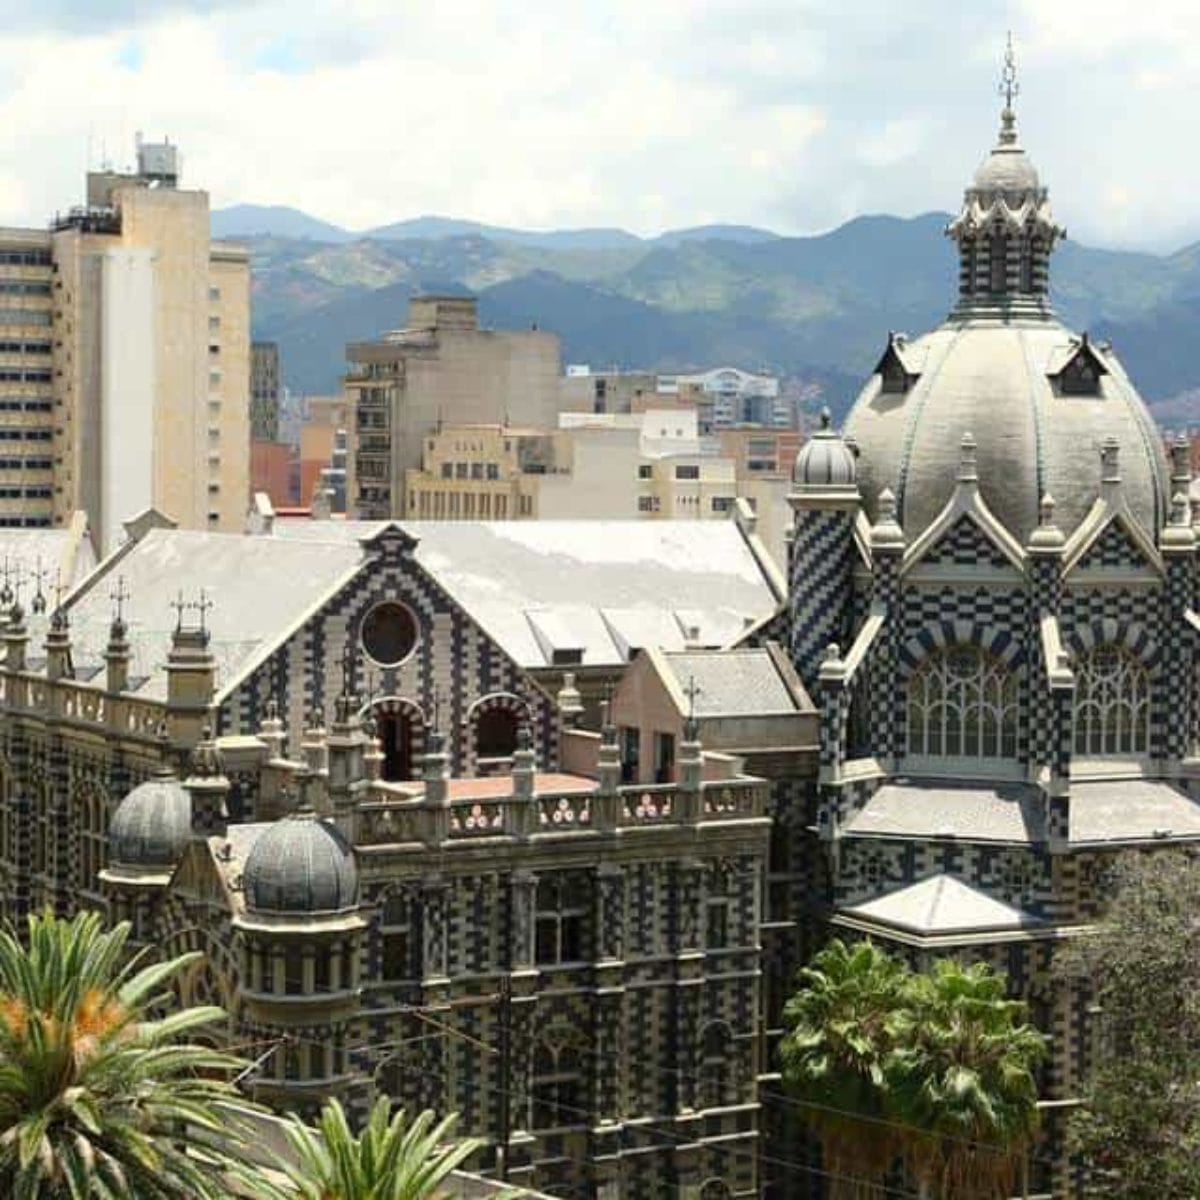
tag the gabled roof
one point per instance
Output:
(734, 683)
(600, 587)
(941, 905)
(1062, 356)
(261, 590)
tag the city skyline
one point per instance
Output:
(790, 117)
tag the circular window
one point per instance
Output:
(389, 633)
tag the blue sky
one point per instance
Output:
(648, 114)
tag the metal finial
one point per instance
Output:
(180, 605)
(118, 596)
(201, 607)
(826, 418)
(38, 603)
(1010, 89)
(692, 690)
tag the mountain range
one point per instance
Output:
(817, 309)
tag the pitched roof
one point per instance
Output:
(602, 588)
(737, 683)
(942, 904)
(1131, 810)
(260, 589)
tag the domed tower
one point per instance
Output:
(147, 836)
(825, 501)
(301, 939)
(1039, 400)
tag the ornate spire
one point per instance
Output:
(1005, 231)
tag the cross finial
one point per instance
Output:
(201, 607)
(180, 606)
(692, 690)
(118, 596)
(347, 668)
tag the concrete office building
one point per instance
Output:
(124, 359)
(441, 369)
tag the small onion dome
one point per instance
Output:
(152, 825)
(300, 865)
(826, 460)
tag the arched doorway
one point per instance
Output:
(400, 728)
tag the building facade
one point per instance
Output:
(441, 370)
(264, 391)
(127, 342)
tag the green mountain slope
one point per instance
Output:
(818, 307)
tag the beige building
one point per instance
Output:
(124, 360)
(651, 465)
(442, 369)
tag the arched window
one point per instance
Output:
(963, 703)
(1112, 703)
(93, 840)
(556, 1089)
(496, 732)
(999, 264)
(715, 1074)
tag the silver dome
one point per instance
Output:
(825, 460)
(993, 379)
(300, 865)
(152, 825)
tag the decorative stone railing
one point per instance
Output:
(392, 817)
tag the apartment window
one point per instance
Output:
(687, 471)
(460, 470)
(493, 471)
(647, 504)
(214, 379)
(477, 470)
(214, 323)
(645, 471)
(722, 503)
(214, 349)
(447, 470)
(214, 293)
(561, 908)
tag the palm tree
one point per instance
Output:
(843, 1024)
(961, 1083)
(100, 1099)
(392, 1159)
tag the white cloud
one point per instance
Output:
(641, 113)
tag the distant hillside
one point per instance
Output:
(273, 220)
(817, 307)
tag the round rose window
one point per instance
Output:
(389, 633)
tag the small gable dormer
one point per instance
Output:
(1079, 371)
(896, 371)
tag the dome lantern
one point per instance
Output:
(826, 462)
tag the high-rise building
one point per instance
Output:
(442, 368)
(264, 391)
(124, 359)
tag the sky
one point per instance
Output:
(644, 114)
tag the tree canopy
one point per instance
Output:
(1138, 1131)
(930, 1070)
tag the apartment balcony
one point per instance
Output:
(377, 444)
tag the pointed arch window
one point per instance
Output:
(716, 1076)
(1112, 703)
(963, 702)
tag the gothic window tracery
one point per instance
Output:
(963, 703)
(1112, 703)
(556, 1088)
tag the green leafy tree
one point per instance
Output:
(1138, 1131)
(961, 1082)
(934, 1071)
(843, 1024)
(100, 1099)
(392, 1159)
